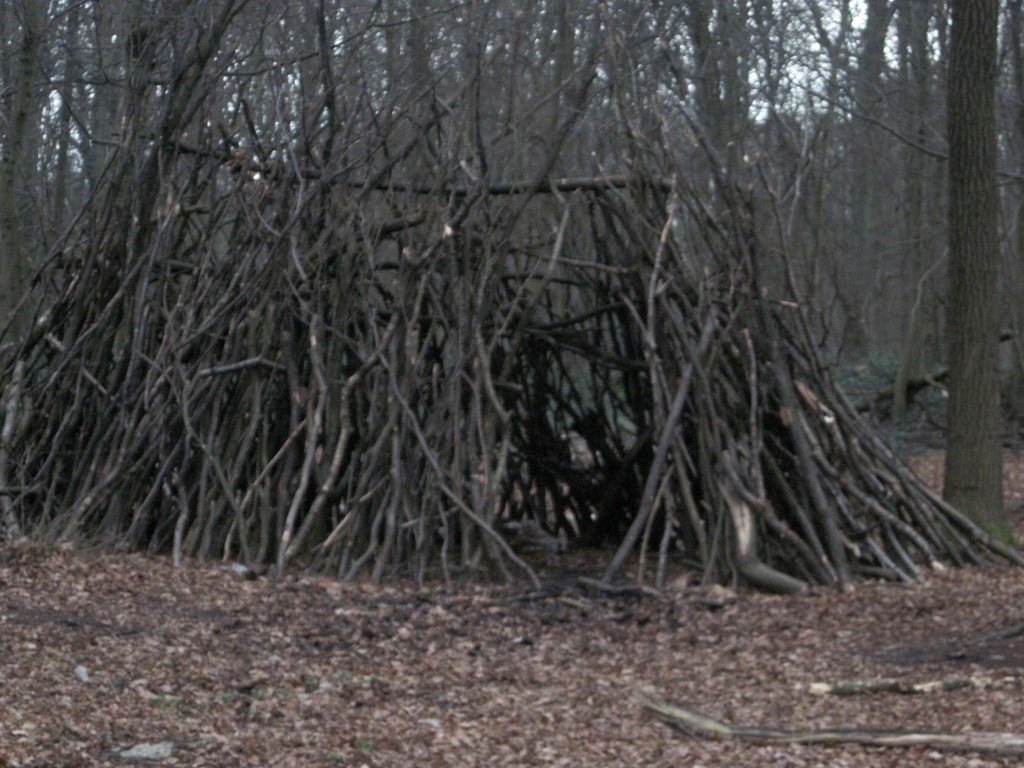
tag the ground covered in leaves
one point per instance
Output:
(123, 660)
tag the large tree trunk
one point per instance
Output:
(973, 458)
(1015, 268)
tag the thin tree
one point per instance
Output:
(19, 137)
(974, 451)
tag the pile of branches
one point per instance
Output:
(365, 379)
(321, 338)
(746, 460)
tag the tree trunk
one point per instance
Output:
(974, 452)
(867, 202)
(919, 258)
(1015, 268)
(19, 141)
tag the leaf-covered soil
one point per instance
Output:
(103, 656)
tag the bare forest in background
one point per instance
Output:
(408, 288)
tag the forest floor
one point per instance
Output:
(121, 659)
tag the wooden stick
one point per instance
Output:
(701, 726)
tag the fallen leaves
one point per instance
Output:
(103, 654)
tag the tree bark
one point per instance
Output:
(1014, 37)
(974, 452)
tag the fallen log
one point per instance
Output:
(954, 683)
(701, 726)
